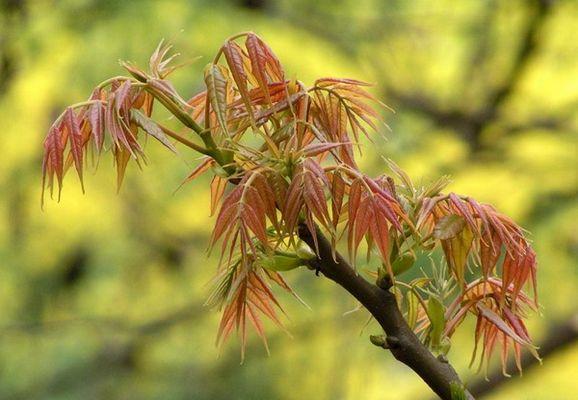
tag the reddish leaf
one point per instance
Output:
(203, 166)
(234, 55)
(75, 139)
(307, 188)
(96, 118)
(52, 163)
(315, 149)
(371, 208)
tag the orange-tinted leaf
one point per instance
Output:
(449, 227)
(234, 56)
(121, 157)
(218, 186)
(204, 165)
(307, 188)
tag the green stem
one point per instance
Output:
(115, 78)
(223, 158)
(185, 141)
(176, 110)
(77, 105)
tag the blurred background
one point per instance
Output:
(101, 295)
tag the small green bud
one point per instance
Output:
(383, 280)
(279, 262)
(403, 263)
(378, 340)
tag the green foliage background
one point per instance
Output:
(101, 296)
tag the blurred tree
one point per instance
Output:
(484, 92)
(12, 15)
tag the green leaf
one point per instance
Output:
(401, 174)
(281, 262)
(456, 251)
(436, 314)
(403, 263)
(152, 128)
(449, 227)
(412, 309)
(217, 86)
(435, 187)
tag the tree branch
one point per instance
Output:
(382, 304)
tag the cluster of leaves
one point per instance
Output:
(111, 118)
(490, 261)
(282, 155)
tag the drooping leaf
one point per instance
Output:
(243, 217)
(53, 163)
(75, 139)
(457, 250)
(203, 166)
(499, 323)
(96, 118)
(245, 295)
(307, 188)
(436, 314)
(121, 158)
(338, 186)
(153, 129)
(371, 210)
(463, 210)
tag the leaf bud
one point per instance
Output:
(403, 263)
(279, 262)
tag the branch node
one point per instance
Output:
(393, 342)
(378, 340)
(386, 342)
(442, 358)
(384, 282)
(313, 265)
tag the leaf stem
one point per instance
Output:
(115, 78)
(185, 141)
